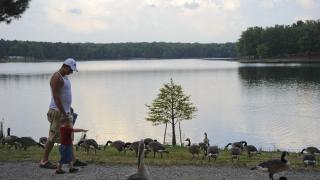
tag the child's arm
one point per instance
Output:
(79, 130)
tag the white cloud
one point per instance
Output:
(79, 15)
(231, 5)
(306, 3)
(152, 20)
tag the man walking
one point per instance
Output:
(59, 109)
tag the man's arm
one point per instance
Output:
(56, 84)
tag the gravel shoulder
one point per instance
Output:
(31, 170)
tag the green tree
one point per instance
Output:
(262, 51)
(249, 40)
(171, 106)
(12, 9)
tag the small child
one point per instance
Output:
(66, 137)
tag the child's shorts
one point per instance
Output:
(65, 154)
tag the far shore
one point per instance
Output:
(301, 60)
(281, 60)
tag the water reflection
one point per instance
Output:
(254, 75)
(283, 103)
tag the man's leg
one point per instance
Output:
(45, 163)
(47, 149)
(54, 119)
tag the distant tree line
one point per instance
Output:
(301, 39)
(91, 51)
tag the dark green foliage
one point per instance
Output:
(171, 106)
(301, 39)
(12, 9)
(90, 51)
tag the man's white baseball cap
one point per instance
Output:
(71, 63)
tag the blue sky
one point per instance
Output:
(112, 21)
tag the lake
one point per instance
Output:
(272, 106)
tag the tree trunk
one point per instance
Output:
(165, 133)
(180, 134)
(173, 133)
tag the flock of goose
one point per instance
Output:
(18, 142)
(145, 146)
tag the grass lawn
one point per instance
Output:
(177, 156)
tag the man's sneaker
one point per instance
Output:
(60, 171)
(48, 165)
(72, 170)
(79, 163)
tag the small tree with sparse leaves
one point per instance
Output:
(171, 106)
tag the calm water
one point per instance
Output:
(270, 106)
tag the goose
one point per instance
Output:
(90, 143)
(82, 139)
(157, 147)
(312, 150)
(1, 131)
(119, 145)
(134, 146)
(10, 139)
(148, 140)
(206, 140)
(43, 140)
(238, 144)
(309, 159)
(234, 151)
(26, 142)
(193, 149)
(127, 145)
(142, 173)
(212, 152)
(205, 144)
(251, 149)
(274, 165)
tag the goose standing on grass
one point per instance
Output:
(251, 149)
(238, 144)
(311, 150)
(26, 142)
(157, 147)
(309, 160)
(234, 151)
(274, 166)
(142, 173)
(193, 149)
(119, 145)
(43, 140)
(205, 143)
(206, 140)
(90, 143)
(212, 152)
(148, 140)
(1, 131)
(10, 140)
(82, 139)
(134, 146)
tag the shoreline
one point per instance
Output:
(302, 60)
(282, 60)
